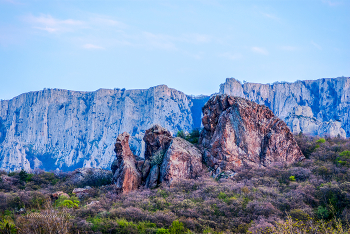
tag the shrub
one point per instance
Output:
(321, 141)
(176, 227)
(72, 202)
(292, 178)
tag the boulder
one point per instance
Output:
(58, 194)
(238, 132)
(182, 160)
(126, 176)
(90, 177)
(81, 192)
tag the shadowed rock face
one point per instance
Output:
(181, 161)
(168, 159)
(238, 132)
(126, 176)
(156, 138)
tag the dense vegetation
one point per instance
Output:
(312, 196)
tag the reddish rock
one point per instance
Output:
(156, 138)
(58, 194)
(238, 132)
(126, 176)
(181, 161)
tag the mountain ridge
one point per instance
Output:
(64, 129)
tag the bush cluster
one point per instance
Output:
(312, 196)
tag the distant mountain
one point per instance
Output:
(56, 128)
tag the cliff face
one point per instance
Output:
(317, 107)
(66, 129)
(238, 132)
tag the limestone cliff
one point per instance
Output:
(56, 128)
(63, 129)
(316, 107)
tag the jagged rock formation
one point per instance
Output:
(238, 132)
(316, 107)
(125, 173)
(56, 128)
(167, 160)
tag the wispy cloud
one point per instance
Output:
(316, 45)
(108, 22)
(259, 50)
(92, 46)
(195, 38)
(234, 56)
(50, 24)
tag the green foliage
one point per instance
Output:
(292, 178)
(7, 225)
(322, 212)
(162, 231)
(24, 176)
(192, 137)
(177, 227)
(63, 201)
(157, 158)
(298, 214)
(321, 141)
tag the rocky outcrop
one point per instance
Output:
(238, 132)
(167, 160)
(126, 176)
(182, 160)
(316, 107)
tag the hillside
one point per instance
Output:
(310, 195)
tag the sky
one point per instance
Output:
(189, 45)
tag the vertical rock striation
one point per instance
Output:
(125, 173)
(316, 107)
(238, 133)
(63, 129)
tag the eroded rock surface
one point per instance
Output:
(167, 159)
(126, 176)
(182, 160)
(238, 132)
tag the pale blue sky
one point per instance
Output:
(188, 45)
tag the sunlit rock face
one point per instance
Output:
(316, 107)
(64, 129)
(239, 133)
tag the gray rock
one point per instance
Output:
(315, 107)
(153, 177)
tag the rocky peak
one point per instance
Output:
(156, 139)
(126, 176)
(238, 132)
